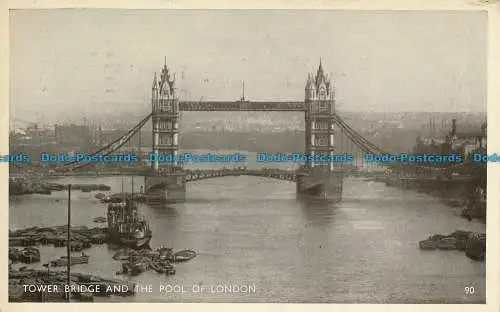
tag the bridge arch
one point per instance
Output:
(199, 175)
(283, 176)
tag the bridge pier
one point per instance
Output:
(322, 185)
(169, 189)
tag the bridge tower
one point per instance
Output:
(325, 176)
(165, 117)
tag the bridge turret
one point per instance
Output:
(173, 89)
(155, 83)
(310, 89)
(154, 93)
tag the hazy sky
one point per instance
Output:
(72, 61)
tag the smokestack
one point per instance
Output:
(433, 125)
(454, 126)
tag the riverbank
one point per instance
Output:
(455, 195)
(25, 186)
(82, 237)
(20, 186)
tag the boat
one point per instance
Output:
(100, 195)
(63, 261)
(439, 242)
(169, 269)
(136, 268)
(110, 199)
(126, 227)
(99, 219)
(29, 255)
(183, 255)
(158, 268)
(164, 253)
(163, 268)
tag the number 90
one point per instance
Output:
(469, 290)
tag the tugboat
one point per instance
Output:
(126, 227)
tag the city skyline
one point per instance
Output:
(392, 61)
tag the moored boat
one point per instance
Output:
(138, 268)
(158, 268)
(100, 195)
(100, 220)
(183, 255)
(29, 255)
(74, 260)
(126, 227)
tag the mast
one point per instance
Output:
(243, 91)
(68, 247)
(123, 194)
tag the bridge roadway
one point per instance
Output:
(217, 106)
(194, 174)
(189, 174)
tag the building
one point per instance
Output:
(470, 140)
(72, 135)
(464, 141)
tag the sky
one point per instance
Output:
(69, 62)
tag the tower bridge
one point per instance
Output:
(322, 180)
(314, 180)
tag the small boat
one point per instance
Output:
(427, 245)
(163, 268)
(29, 255)
(100, 195)
(100, 220)
(165, 253)
(74, 260)
(138, 268)
(169, 269)
(183, 255)
(112, 200)
(157, 267)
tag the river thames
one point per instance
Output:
(256, 243)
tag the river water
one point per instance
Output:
(252, 232)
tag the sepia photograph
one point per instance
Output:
(247, 156)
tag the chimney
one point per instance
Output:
(454, 126)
